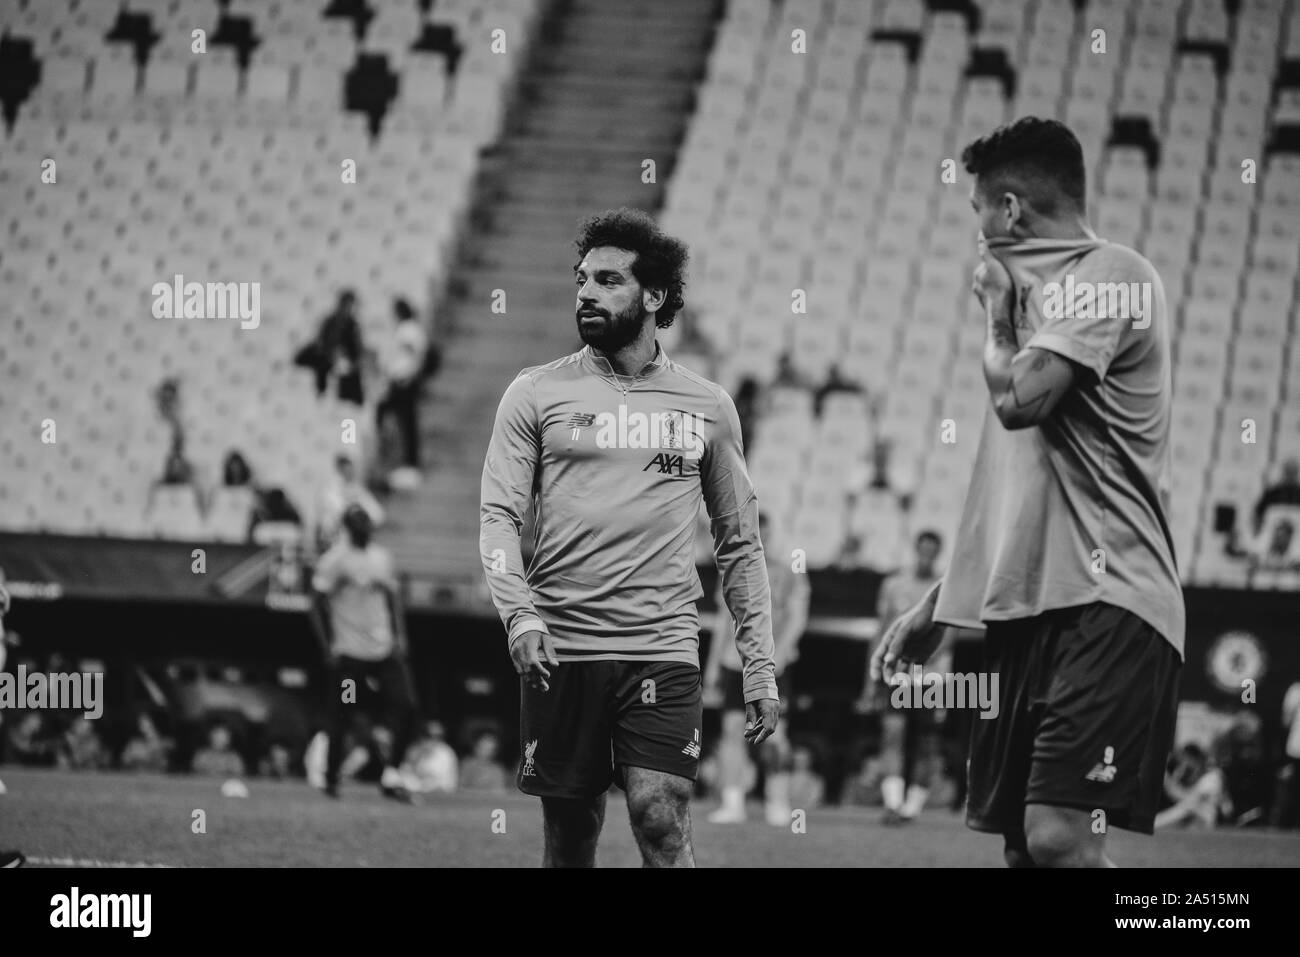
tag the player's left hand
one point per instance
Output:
(991, 282)
(761, 719)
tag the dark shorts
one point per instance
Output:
(602, 716)
(733, 689)
(1087, 700)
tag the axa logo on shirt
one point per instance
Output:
(677, 431)
(1099, 300)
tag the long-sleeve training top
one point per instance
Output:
(616, 468)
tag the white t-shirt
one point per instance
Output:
(405, 355)
(358, 582)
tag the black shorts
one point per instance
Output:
(602, 716)
(733, 689)
(1087, 700)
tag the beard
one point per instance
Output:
(611, 333)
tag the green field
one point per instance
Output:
(60, 818)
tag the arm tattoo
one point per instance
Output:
(1033, 404)
(1002, 334)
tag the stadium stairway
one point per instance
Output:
(612, 86)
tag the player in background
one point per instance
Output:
(1286, 808)
(790, 600)
(358, 619)
(1063, 552)
(8, 858)
(615, 447)
(911, 740)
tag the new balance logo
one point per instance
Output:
(1104, 770)
(666, 463)
(1103, 773)
(579, 421)
(692, 749)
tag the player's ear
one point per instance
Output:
(653, 299)
(1011, 210)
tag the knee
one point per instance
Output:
(1053, 843)
(657, 818)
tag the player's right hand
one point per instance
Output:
(761, 718)
(911, 639)
(530, 655)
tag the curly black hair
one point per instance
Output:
(1038, 159)
(660, 259)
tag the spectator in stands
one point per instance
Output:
(168, 398)
(336, 351)
(403, 364)
(835, 382)
(747, 410)
(787, 376)
(235, 472)
(1285, 492)
(273, 507)
(880, 450)
(31, 742)
(1198, 788)
(343, 488)
(218, 759)
(147, 750)
(80, 749)
(1277, 554)
(177, 469)
(177, 472)
(276, 764)
(430, 763)
(1286, 804)
(1249, 774)
(481, 771)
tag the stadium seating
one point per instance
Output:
(809, 179)
(190, 163)
(820, 170)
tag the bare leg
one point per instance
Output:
(1063, 837)
(659, 806)
(572, 827)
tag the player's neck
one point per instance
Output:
(1066, 228)
(632, 358)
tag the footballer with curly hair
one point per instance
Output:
(615, 447)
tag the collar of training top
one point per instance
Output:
(603, 366)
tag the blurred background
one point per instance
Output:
(403, 180)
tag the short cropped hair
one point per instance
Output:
(1040, 160)
(930, 535)
(660, 259)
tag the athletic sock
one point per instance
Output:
(916, 797)
(733, 799)
(891, 789)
